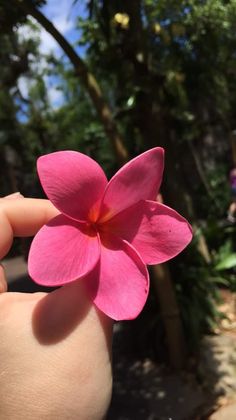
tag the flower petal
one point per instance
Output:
(121, 287)
(73, 182)
(139, 179)
(156, 231)
(62, 251)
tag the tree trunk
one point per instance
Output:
(170, 315)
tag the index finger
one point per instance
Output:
(22, 218)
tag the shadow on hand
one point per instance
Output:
(58, 313)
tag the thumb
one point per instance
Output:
(68, 310)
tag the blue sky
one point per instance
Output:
(63, 14)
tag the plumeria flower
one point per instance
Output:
(106, 232)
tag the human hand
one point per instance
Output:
(55, 349)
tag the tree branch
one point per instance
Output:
(88, 80)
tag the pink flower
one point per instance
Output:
(107, 231)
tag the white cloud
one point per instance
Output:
(24, 85)
(47, 43)
(63, 24)
(55, 96)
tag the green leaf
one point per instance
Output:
(226, 263)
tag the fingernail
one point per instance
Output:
(14, 196)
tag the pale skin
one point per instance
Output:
(55, 349)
